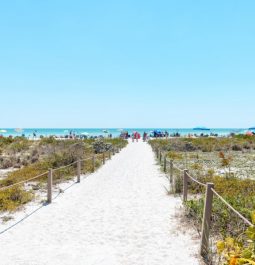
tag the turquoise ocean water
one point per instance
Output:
(114, 131)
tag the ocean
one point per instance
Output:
(28, 132)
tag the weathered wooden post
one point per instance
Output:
(185, 185)
(93, 163)
(157, 153)
(49, 186)
(110, 154)
(174, 184)
(160, 157)
(165, 161)
(171, 172)
(103, 158)
(113, 151)
(78, 170)
(206, 220)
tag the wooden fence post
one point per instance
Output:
(165, 161)
(113, 151)
(157, 153)
(171, 171)
(110, 154)
(185, 185)
(103, 158)
(79, 171)
(171, 182)
(94, 163)
(206, 220)
(160, 157)
(49, 186)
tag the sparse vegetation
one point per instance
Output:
(229, 163)
(33, 158)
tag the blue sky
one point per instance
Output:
(127, 63)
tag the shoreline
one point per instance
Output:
(31, 133)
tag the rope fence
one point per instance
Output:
(232, 208)
(209, 194)
(196, 181)
(102, 156)
(24, 181)
(64, 167)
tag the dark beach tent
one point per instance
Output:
(157, 133)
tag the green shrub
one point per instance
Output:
(12, 199)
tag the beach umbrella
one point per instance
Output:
(249, 133)
(3, 131)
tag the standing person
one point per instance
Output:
(144, 136)
(34, 134)
(136, 136)
(133, 137)
(166, 134)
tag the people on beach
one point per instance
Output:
(144, 136)
(136, 136)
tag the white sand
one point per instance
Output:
(118, 215)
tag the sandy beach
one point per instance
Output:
(121, 215)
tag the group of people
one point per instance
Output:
(136, 136)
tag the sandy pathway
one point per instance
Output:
(118, 215)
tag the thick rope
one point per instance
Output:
(197, 181)
(63, 167)
(231, 208)
(22, 182)
(174, 166)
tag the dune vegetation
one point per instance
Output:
(229, 163)
(26, 159)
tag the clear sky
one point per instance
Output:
(127, 63)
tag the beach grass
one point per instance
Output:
(228, 163)
(50, 153)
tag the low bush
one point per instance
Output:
(237, 246)
(57, 154)
(12, 199)
(236, 143)
(239, 250)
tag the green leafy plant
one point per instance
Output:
(238, 251)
